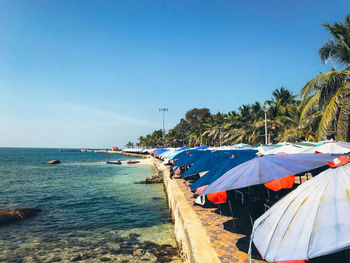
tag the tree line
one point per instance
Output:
(321, 110)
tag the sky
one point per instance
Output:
(95, 73)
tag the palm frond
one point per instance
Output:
(311, 119)
(328, 50)
(330, 112)
(323, 81)
(311, 104)
(343, 123)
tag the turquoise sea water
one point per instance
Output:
(92, 211)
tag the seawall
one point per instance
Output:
(191, 237)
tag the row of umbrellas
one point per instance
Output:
(310, 221)
(283, 148)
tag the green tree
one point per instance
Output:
(337, 48)
(130, 145)
(326, 98)
(195, 116)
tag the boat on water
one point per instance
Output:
(114, 162)
(132, 161)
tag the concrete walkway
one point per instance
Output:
(223, 241)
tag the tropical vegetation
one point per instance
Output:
(321, 110)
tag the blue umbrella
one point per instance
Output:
(160, 151)
(183, 148)
(220, 169)
(207, 162)
(189, 157)
(202, 147)
(267, 168)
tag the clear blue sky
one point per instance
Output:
(94, 73)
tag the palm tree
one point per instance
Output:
(337, 49)
(214, 128)
(326, 98)
(130, 145)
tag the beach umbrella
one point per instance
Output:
(322, 142)
(286, 149)
(267, 168)
(207, 162)
(329, 147)
(240, 145)
(221, 168)
(263, 149)
(159, 151)
(311, 221)
(203, 147)
(189, 157)
(177, 152)
(184, 148)
(311, 144)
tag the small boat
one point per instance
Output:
(132, 161)
(114, 162)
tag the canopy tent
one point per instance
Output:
(311, 221)
(221, 168)
(287, 149)
(267, 168)
(189, 157)
(330, 147)
(207, 162)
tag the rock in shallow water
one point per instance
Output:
(12, 216)
(54, 162)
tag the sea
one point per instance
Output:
(91, 211)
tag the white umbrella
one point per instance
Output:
(330, 147)
(287, 148)
(263, 149)
(311, 221)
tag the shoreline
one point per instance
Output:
(192, 240)
(97, 226)
(199, 232)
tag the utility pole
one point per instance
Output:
(265, 125)
(163, 110)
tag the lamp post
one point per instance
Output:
(220, 127)
(163, 110)
(265, 110)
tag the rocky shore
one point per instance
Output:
(111, 248)
(155, 178)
